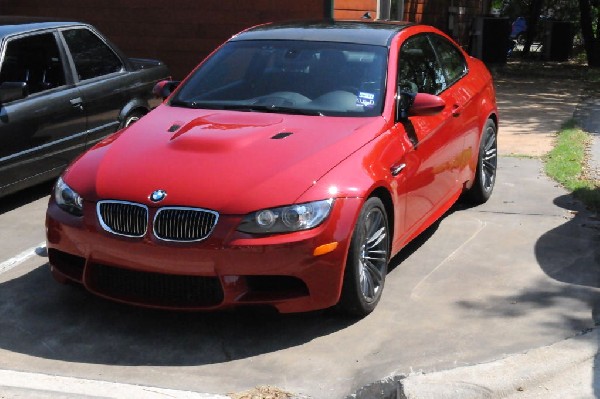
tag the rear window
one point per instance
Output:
(92, 57)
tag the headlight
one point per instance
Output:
(287, 218)
(67, 199)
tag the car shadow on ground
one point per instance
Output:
(44, 319)
(24, 197)
(582, 269)
(570, 256)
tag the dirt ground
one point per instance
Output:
(532, 110)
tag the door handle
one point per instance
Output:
(456, 110)
(397, 169)
(77, 103)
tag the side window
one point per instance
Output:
(418, 64)
(91, 55)
(34, 60)
(451, 58)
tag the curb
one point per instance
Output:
(20, 384)
(522, 375)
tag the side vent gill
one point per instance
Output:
(281, 135)
(174, 128)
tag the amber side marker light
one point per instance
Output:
(325, 248)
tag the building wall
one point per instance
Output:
(452, 16)
(354, 9)
(179, 32)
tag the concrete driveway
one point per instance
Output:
(517, 273)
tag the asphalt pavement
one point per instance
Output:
(499, 300)
(566, 369)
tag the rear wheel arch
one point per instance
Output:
(487, 164)
(136, 107)
(493, 118)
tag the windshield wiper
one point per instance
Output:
(179, 103)
(271, 108)
(246, 107)
(195, 104)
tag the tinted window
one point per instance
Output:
(91, 55)
(34, 60)
(290, 76)
(418, 65)
(450, 57)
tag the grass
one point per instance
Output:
(566, 164)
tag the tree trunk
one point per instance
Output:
(532, 23)
(591, 42)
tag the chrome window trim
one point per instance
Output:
(55, 142)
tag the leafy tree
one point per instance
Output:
(585, 14)
(535, 8)
(590, 31)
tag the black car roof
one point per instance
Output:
(15, 25)
(376, 33)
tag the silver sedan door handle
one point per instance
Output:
(77, 103)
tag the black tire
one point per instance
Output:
(368, 257)
(131, 118)
(487, 164)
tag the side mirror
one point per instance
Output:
(426, 104)
(407, 91)
(10, 91)
(164, 88)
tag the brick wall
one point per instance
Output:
(354, 9)
(179, 32)
(437, 13)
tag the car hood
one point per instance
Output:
(230, 161)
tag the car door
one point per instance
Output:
(430, 171)
(460, 95)
(45, 127)
(101, 78)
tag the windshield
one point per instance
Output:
(301, 77)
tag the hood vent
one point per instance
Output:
(281, 135)
(174, 128)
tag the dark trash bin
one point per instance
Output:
(490, 39)
(558, 40)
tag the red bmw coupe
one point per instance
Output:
(285, 170)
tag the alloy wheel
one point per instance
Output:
(373, 255)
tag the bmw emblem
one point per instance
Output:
(158, 195)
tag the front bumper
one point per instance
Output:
(227, 269)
